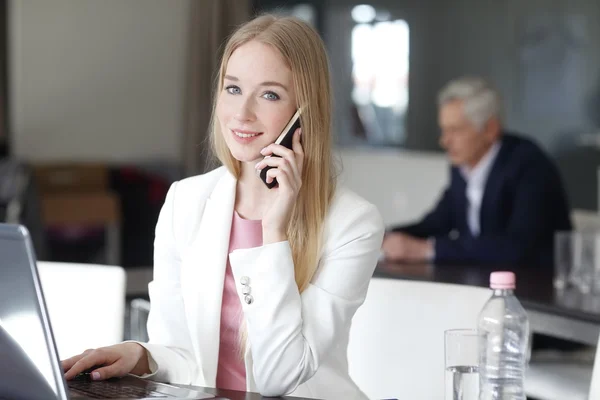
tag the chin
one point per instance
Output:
(246, 156)
(453, 159)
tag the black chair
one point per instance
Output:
(19, 201)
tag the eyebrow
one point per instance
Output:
(266, 83)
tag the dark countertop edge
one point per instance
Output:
(528, 304)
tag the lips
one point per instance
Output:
(244, 136)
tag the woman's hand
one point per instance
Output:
(112, 361)
(288, 172)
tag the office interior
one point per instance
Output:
(105, 103)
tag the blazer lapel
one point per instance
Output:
(460, 202)
(203, 273)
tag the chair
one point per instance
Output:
(86, 304)
(68, 192)
(595, 383)
(19, 201)
(558, 379)
(396, 346)
(562, 376)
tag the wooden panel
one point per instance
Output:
(88, 209)
(53, 178)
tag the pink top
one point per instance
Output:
(231, 372)
(502, 280)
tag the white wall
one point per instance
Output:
(97, 79)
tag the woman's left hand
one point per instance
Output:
(288, 172)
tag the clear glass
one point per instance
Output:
(462, 364)
(563, 258)
(586, 255)
(577, 261)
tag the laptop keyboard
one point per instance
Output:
(112, 390)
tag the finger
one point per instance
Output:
(69, 362)
(110, 371)
(91, 360)
(277, 162)
(395, 254)
(286, 154)
(283, 180)
(387, 246)
(278, 150)
(294, 159)
(297, 148)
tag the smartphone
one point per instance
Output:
(286, 140)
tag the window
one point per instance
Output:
(380, 68)
(368, 48)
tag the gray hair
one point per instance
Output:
(481, 100)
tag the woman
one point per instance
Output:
(255, 288)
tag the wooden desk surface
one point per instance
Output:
(235, 395)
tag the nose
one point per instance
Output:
(245, 111)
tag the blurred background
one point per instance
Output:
(104, 103)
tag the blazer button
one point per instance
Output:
(244, 280)
(245, 289)
(248, 299)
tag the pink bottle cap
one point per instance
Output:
(502, 280)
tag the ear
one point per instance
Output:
(493, 128)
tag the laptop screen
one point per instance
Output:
(29, 367)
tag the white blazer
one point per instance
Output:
(297, 342)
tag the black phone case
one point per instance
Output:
(286, 141)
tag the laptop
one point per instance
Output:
(30, 368)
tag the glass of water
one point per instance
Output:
(563, 258)
(462, 364)
(586, 256)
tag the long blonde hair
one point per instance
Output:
(304, 52)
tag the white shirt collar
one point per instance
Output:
(478, 174)
(476, 179)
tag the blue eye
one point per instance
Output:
(272, 96)
(232, 89)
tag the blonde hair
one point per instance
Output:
(304, 52)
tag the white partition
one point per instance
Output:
(404, 185)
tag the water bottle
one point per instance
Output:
(503, 341)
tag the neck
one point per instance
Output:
(471, 165)
(251, 193)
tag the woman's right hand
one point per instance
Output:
(112, 361)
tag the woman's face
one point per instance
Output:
(257, 100)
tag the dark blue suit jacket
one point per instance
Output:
(524, 203)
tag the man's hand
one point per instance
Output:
(402, 247)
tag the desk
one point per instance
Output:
(566, 314)
(235, 395)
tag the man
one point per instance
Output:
(505, 199)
